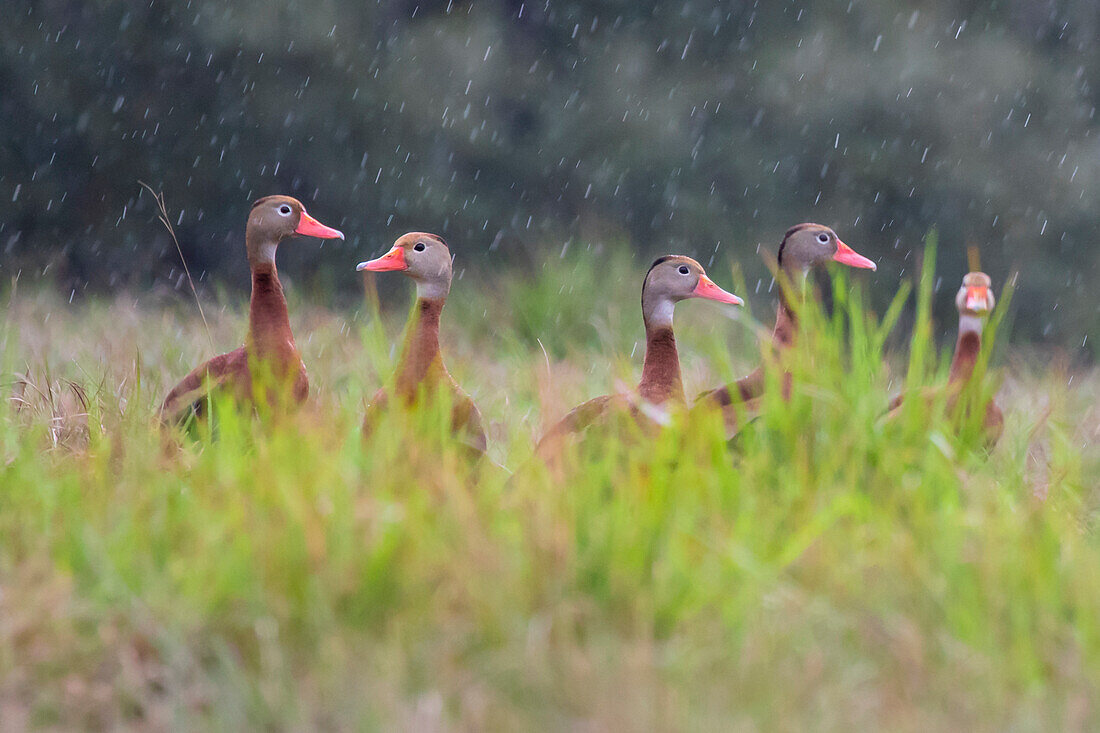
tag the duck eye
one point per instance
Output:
(684, 269)
(823, 237)
(419, 246)
(284, 210)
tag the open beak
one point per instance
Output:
(707, 289)
(845, 255)
(310, 227)
(392, 260)
(977, 299)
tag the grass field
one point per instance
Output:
(826, 571)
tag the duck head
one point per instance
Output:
(673, 278)
(423, 257)
(273, 219)
(806, 245)
(975, 297)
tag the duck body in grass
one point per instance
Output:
(670, 279)
(426, 259)
(804, 246)
(269, 361)
(975, 302)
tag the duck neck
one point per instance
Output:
(661, 380)
(420, 353)
(967, 348)
(268, 320)
(786, 323)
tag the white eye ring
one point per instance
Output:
(823, 237)
(684, 270)
(284, 210)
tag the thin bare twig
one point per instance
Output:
(162, 214)
(974, 258)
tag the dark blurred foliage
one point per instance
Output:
(518, 129)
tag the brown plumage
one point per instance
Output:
(975, 302)
(269, 345)
(420, 371)
(803, 246)
(670, 279)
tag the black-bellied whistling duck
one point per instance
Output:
(670, 279)
(803, 246)
(269, 345)
(975, 302)
(427, 260)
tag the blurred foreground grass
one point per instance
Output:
(826, 571)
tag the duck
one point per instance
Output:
(974, 301)
(426, 259)
(804, 246)
(269, 344)
(670, 279)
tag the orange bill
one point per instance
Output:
(310, 227)
(707, 289)
(977, 298)
(392, 260)
(845, 255)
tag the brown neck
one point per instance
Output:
(786, 323)
(268, 320)
(967, 349)
(420, 354)
(661, 379)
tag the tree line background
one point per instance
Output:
(519, 130)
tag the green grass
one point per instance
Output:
(829, 570)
